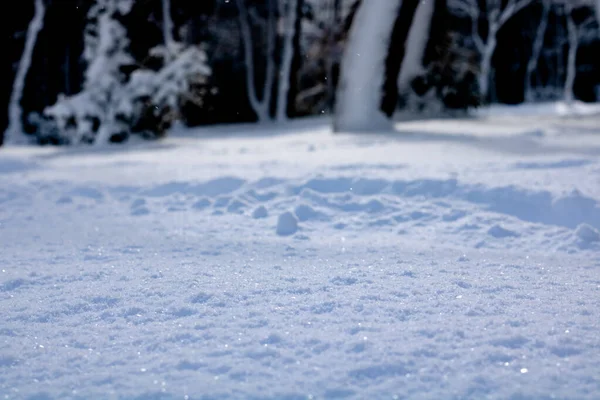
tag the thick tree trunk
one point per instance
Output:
(396, 54)
(363, 67)
(14, 132)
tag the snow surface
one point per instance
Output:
(451, 259)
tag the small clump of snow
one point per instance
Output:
(587, 233)
(260, 212)
(287, 224)
(499, 232)
(305, 212)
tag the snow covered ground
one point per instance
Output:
(452, 259)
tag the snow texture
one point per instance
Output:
(451, 259)
(287, 224)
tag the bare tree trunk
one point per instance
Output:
(286, 63)
(296, 61)
(538, 44)
(270, 74)
(14, 132)
(497, 15)
(416, 44)
(261, 107)
(485, 66)
(396, 55)
(167, 29)
(573, 37)
(331, 43)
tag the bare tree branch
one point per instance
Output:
(512, 8)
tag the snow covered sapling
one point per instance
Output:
(119, 97)
(154, 98)
(90, 116)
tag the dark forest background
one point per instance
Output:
(58, 66)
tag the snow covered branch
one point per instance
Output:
(512, 8)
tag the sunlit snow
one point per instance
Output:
(453, 258)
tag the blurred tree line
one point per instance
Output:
(89, 71)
